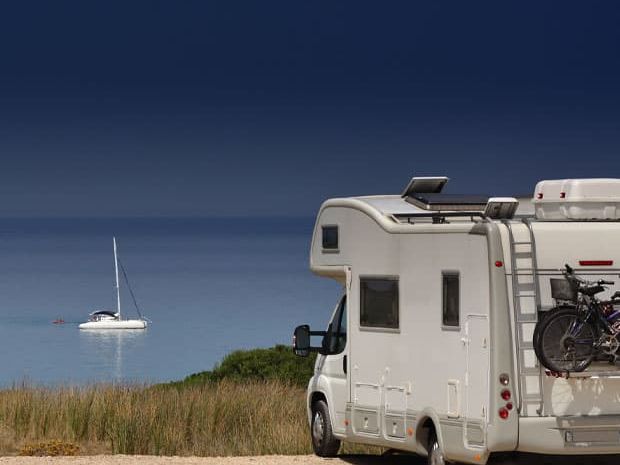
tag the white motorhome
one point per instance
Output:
(429, 348)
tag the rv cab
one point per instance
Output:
(430, 349)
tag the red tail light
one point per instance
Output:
(562, 195)
(596, 262)
(505, 394)
(539, 195)
(503, 413)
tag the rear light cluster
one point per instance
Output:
(506, 395)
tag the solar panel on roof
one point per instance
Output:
(450, 202)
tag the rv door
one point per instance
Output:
(333, 365)
(476, 380)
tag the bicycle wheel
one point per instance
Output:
(566, 342)
(542, 316)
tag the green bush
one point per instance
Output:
(276, 363)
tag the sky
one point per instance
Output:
(236, 108)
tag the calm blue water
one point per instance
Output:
(209, 287)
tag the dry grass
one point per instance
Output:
(215, 419)
(49, 449)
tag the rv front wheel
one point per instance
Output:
(435, 454)
(323, 441)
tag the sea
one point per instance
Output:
(208, 286)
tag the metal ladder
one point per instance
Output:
(527, 304)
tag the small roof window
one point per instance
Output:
(425, 185)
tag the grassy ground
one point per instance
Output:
(223, 418)
(252, 403)
(213, 419)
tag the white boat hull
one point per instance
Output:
(114, 324)
(107, 319)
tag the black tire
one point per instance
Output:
(542, 316)
(435, 454)
(324, 443)
(536, 335)
(561, 350)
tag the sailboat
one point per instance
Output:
(107, 319)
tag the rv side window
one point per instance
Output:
(330, 237)
(450, 300)
(379, 302)
(339, 328)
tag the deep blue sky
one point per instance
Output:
(269, 107)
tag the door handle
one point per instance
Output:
(344, 364)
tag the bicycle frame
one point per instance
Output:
(600, 322)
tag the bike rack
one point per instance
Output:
(598, 369)
(583, 374)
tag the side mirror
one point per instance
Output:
(301, 341)
(569, 269)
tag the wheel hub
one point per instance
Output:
(318, 428)
(568, 344)
(436, 455)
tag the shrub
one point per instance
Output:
(277, 363)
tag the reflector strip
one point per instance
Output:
(596, 262)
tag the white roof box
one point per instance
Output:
(577, 199)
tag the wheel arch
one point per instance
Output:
(316, 396)
(320, 389)
(427, 424)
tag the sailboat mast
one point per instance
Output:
(118, 290)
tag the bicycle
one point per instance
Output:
(571, 336)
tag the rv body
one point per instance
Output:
(436, 324)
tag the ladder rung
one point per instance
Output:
(519, 296)
(522, 284)
(522, 243)
(527, 318)
(523, 253)
(532, 397)
(525, 346)
(530, 372)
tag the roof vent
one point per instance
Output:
(425, 185)
(501, 208)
